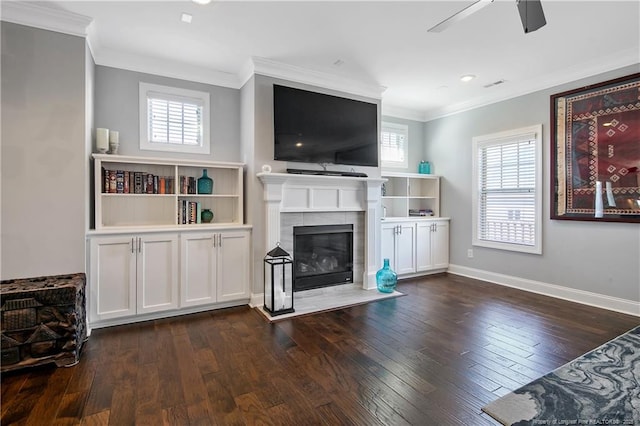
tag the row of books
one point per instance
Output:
(189, 212)
(128, 182)
(420, 212)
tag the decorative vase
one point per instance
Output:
(205, 183)
(386, 279)
(424, 168)
(207, 215)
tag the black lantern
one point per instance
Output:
(278, 282)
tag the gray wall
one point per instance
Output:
(44, 165)
(117, 108)
(258, 150)
(595, 257)
(416, 145)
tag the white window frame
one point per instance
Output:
(495, 139)
(401, 129)
(147, 90)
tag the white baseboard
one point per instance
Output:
(257, 299)
(587, 298)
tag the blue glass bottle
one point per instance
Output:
(424, 167)
(386, 279)
(205, 183)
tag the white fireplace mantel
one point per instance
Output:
(290, 193)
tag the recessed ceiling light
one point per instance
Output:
(467, 77)
(186, 18)
(201, 1)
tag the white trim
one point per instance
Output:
(494, 139)
(164, 314)
(400, 112)
(36, 15)
(553, 290)
(197, 96)
(400, 129)
(257, 300)
(297, 74)
(165, 68)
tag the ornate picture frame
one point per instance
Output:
(595, 152)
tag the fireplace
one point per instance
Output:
(322, 256)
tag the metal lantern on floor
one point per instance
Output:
(278, 282)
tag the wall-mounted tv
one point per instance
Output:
(312, 127)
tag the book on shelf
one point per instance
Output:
(137, 185)
(120, 181)
(113, 187)
(126, 182)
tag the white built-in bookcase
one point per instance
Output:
(115, 211)
(410, 191)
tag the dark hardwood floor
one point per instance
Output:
(432, 357)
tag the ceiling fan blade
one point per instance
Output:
(531, 15)
(472, 8)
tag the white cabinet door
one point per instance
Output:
(406, 249)
(432, 247)
(157, 272)
(424, 232)
(398, 245)
(440, 245)
(388, 239)
(112, 288)
(233, 265)
(197, 269)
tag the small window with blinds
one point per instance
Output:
(507, 182)
(394, 140)
(174, 119)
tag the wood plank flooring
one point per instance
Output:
(432, 357)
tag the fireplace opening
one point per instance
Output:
(322, 256)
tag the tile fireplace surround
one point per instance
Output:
(313, 194)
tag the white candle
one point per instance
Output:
(610, 199)
(102, 140)
(599, 207)
(113, 136)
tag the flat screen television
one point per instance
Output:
(312, 127)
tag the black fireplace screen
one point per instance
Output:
(322, 255)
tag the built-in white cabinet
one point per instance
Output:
(214, 267)
(132, 275)
(151, 253)
(416, 247)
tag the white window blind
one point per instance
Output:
(174, 119)
(507, 201)
(394, 140)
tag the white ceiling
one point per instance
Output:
(380, 43)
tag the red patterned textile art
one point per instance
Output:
(596, 152)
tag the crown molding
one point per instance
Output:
(165, 68)
(597, 65)
(297, 74)
(34, 14)
(401, 112)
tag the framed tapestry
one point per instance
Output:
(595, 152)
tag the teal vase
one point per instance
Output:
(205, 183)
(386, 279)
(206, 216)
